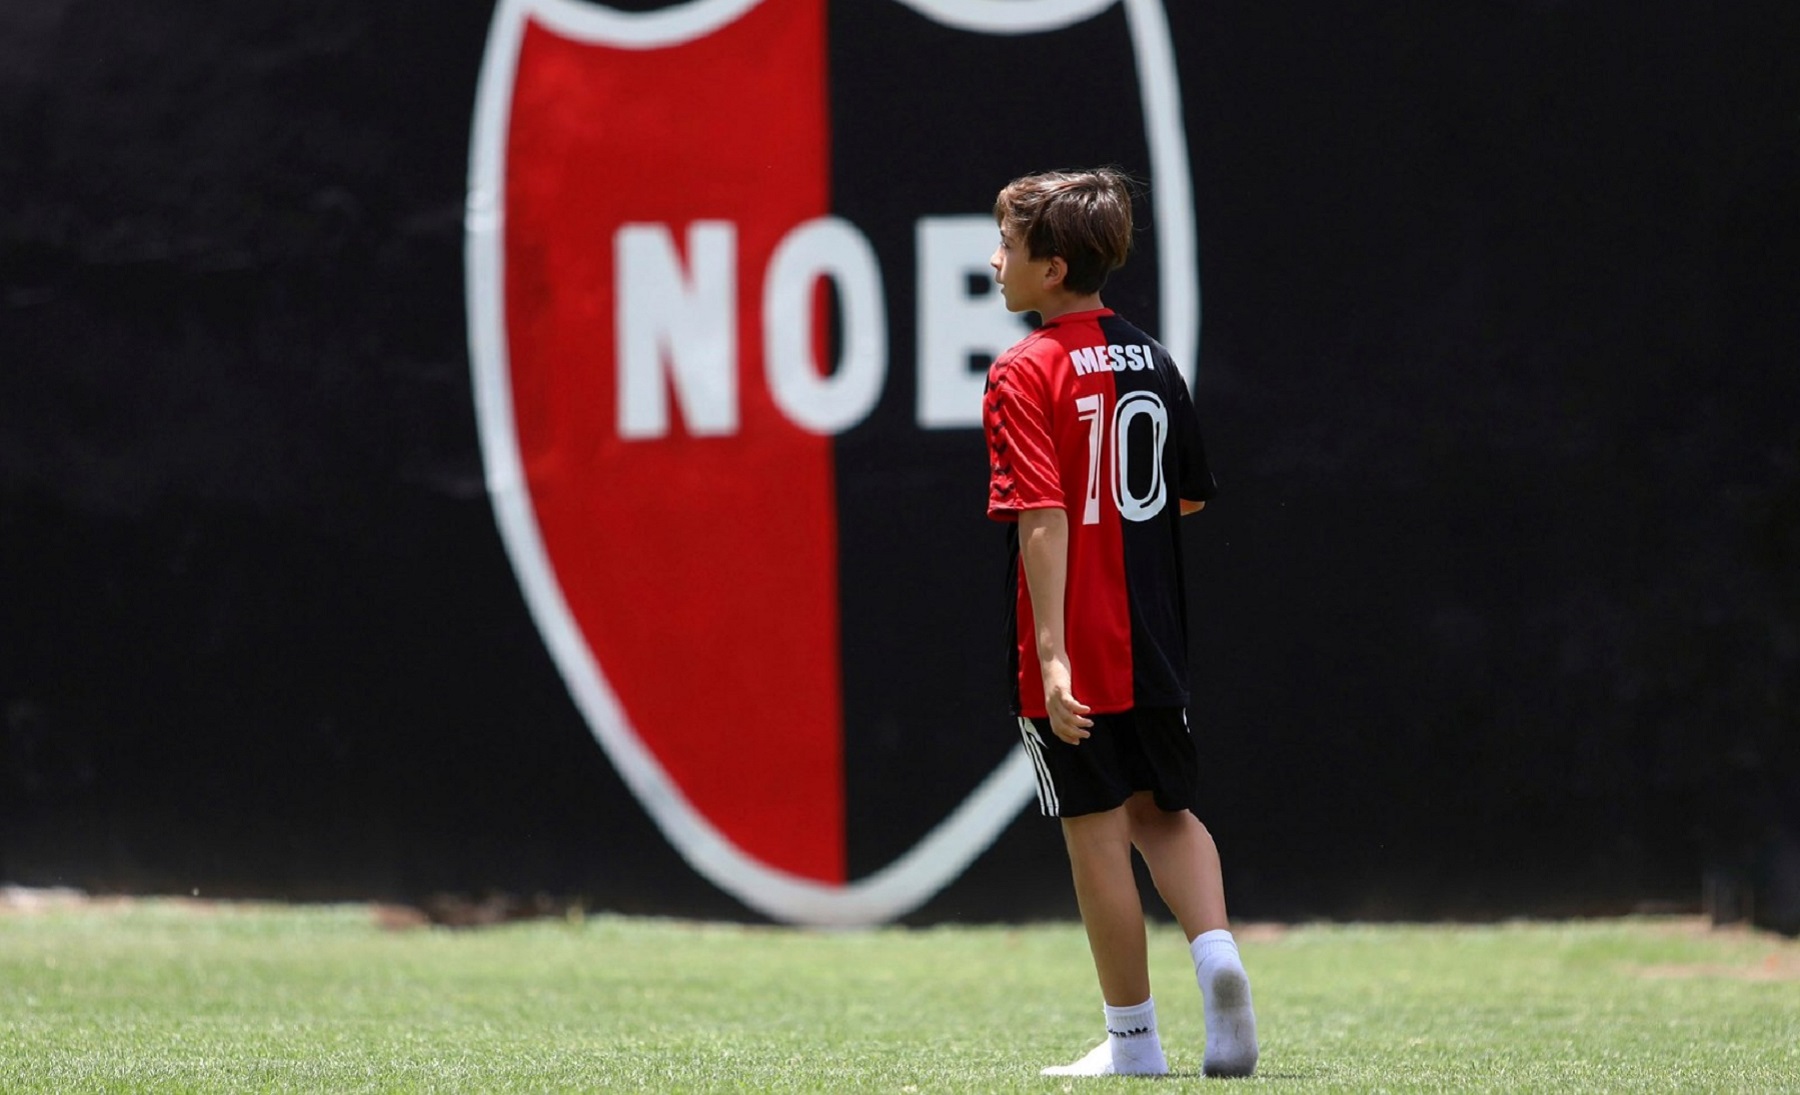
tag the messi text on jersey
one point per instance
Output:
(1096, 359)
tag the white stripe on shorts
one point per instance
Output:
(1034, 747)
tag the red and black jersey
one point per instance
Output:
(1090, 415)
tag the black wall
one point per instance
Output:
(1499, 611)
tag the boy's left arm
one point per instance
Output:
(1196, 477)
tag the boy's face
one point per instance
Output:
(1025, 283)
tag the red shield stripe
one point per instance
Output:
(725, 546)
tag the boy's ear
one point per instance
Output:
(1054, 272)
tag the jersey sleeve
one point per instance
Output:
(1197, 483)
(1022, 468)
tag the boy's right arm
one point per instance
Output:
(1044, 553)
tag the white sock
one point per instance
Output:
(1132, 1046)
(1230, 1016)
(1131, 1032)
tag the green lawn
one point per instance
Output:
(172, 996)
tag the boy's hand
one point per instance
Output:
(1068, 719)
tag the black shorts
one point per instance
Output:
(1147, 749)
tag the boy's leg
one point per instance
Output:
(1106, 891)
(1184, 864)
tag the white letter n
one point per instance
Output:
(680, 321)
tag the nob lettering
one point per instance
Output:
(677, 325)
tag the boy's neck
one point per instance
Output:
(1069, 303)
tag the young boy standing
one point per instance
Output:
(1095, 454)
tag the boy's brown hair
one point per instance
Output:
(1082, 217)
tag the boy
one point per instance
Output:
(1094, 454)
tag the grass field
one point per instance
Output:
(178, 996)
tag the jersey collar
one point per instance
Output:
(1070, 317)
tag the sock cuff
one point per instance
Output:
(1130, 1022)
(1217, 941)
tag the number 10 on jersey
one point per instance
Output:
(1113, 437)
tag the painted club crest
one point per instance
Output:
(730, 312)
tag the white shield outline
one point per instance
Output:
(953, 843)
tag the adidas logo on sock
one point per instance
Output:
(1134, 1032)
